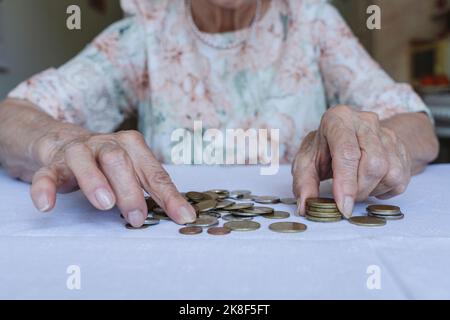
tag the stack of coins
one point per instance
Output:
(322, 210)
(385, 212)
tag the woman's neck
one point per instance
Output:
(212, 18)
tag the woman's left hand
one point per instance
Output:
(363, 158)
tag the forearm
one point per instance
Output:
(416, 131)
(24, 130)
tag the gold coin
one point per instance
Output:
(322, 219)
(288, 227)
(210, 196)
(242, 225)
(250, 212)
(218, 231)
(190, 230)
(367, 221)
(204, 221)
(323, 210)
(195, 196)
(205, 205)
(277, 215)
(289, 201)
(321, 203)
(232, 217)
(224, 203)
(240, 206)
(130, 227)
(323, 215)
(266, 199)
(384, 209)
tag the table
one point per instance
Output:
(329, 261)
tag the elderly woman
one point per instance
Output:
(287, 64)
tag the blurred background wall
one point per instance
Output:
(35, 36)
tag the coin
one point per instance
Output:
(238, 194)
(323, 210)
(250, 212)
(266, 199)
(321, 203)
(323, 219)
(242, 225)
(151, 221)
(323, 214)
(399, 216)
(195, 196)
(218, 231)
(383, 209)
(216, 214)
(367, 221)
(204, 221)
(191, 230)
(288, 227)
(161, 216)
(205, 205)
(232, 217)
(277, 215)
(290, 201)
(130, 227)
(240, 206)
(223, 204)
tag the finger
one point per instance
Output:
(373, 165)
(156, 181)
(118, 168)
(340, 135)
(92, 182)
(43, 189)
(306, 180)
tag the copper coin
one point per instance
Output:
(191, 230)
(218, 231)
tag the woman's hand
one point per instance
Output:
(110, 169)
(363, 157)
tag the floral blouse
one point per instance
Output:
(300, 59)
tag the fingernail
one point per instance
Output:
(42, 203)
(104, 198)
(186, 215)
(136, 218)
(348, 206)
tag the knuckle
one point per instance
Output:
(377, 167)
(131, 136)
(113, 157)
(400, 188)
(371, 117)
(395, 176)
(350, 153)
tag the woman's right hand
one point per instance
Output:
(110, 169)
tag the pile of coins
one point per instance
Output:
(322, 210)
(238, 209)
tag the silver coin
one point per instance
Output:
(238, 194)
(289, 201)
(388, 217)
(151, 222)
(266, 199)
(204, 221)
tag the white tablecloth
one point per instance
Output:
(327, 261)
